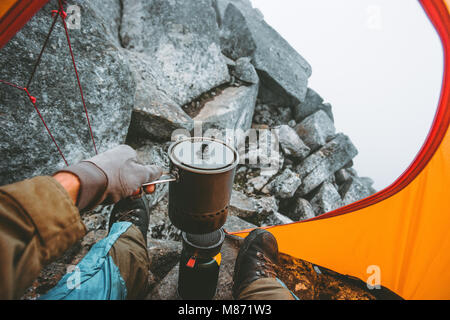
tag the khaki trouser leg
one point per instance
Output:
(130, 255)
(266, 289)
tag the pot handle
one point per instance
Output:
(165, 178)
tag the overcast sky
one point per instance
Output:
(378, 62)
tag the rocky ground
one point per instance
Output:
(305, 280)
(152, 67)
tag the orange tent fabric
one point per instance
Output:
(402, 231)
(14, 14)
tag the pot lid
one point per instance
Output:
(203, 154)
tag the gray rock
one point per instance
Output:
(181, 38)
(229, 62)
(245, 71)
(220, 7)
(276, 219)
(354, 189)
(155, 155)
(25, 145)
(327, 108)
(110, 13)
(332, 179)
(291, 144)
(156, 115)
(342, 176)
(285, 185)
(281, 69)
(312, 103)
(253, 210)
(160, 226)
(167, 288)
(326, 199)
(316, 130)
(258, 182)
(241, 205)
(271, 115)
(301, 210)
(232, 109)
(163, 256)
(325, 162)
(235, 224)
(266, 205)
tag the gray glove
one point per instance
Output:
(111, 176)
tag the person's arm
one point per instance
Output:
(38, 222)
(39, 217)
(70, 183)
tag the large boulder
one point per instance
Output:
(232, 109)
(155, 115)
(316, 130)
(320, 165)
(109, 11)
(282, 71)
(174, 51)
(181, 38)
(27, 149)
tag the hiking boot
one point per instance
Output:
(135, 211)
(256, 259)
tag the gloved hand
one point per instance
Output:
(110, 177)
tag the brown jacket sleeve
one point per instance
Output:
(38, 222)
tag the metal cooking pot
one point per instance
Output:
(201, 181)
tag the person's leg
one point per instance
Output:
(254, 273)
(115, 267)
(266, 289)
(130, 255)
